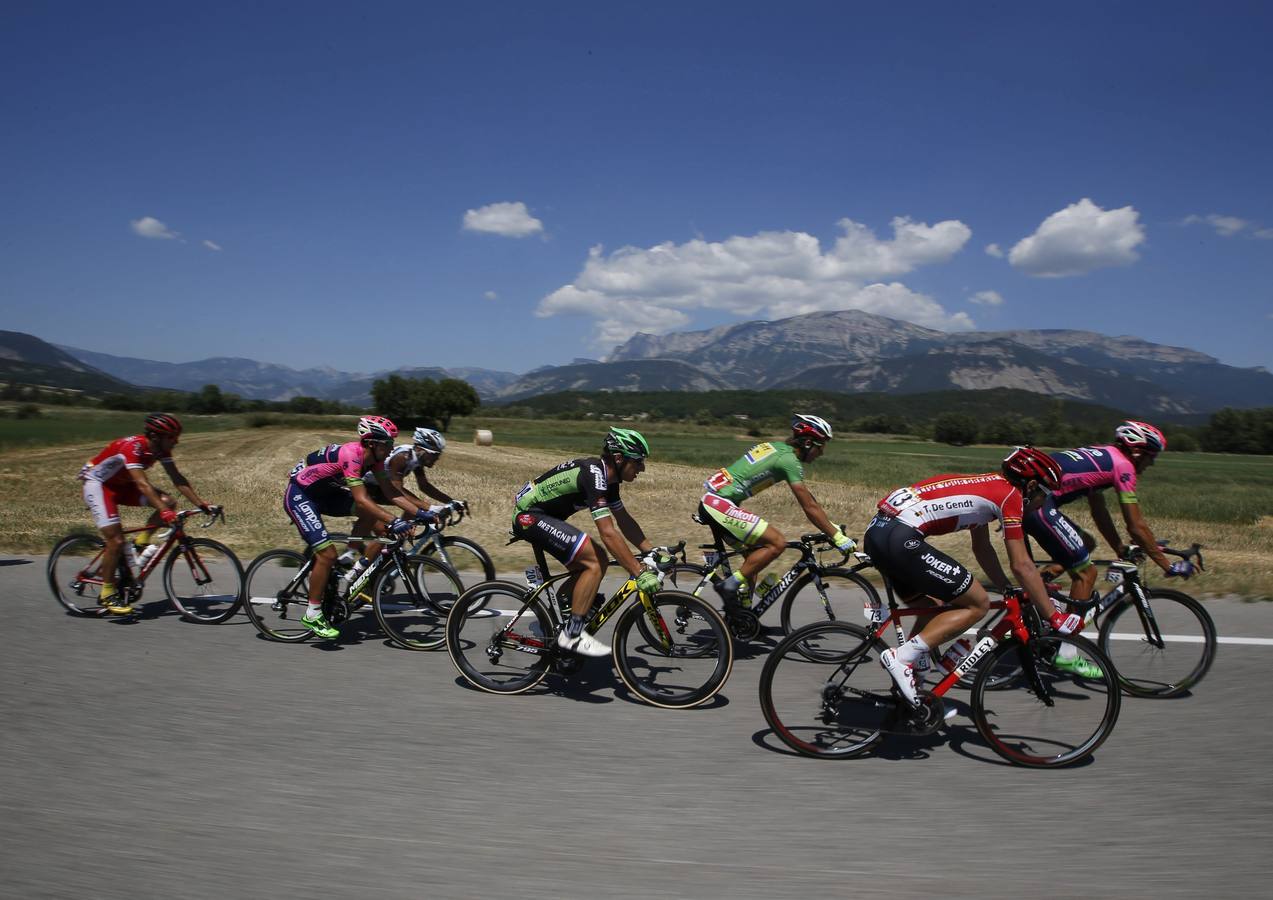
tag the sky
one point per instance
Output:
(510, 185)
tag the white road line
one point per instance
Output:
(1195, 639)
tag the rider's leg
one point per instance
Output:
(323, 559)
(588, 567)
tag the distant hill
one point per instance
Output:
(25, 359)
(645, 375)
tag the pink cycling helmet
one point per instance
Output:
(374, 429)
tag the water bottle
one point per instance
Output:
(956, 653)
(148, 554)
(130, 557)
(762, 590)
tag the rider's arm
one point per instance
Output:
(396, 494)
(178, 481)
(1027, 575)
(427, 488)
(618, 547)
(987, 559)
(631, 530)
(364, 504)
(812, 509)
(1138, 528)
(147, 489)
(1104, 522)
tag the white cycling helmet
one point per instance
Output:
(1140, 436)
(429, 439)
(811, 427)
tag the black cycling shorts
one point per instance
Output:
(560, 540)
(913, 565)
(1063, 541)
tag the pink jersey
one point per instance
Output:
(1088, 469)
(341, 464)
(108, 467)
(954, 502)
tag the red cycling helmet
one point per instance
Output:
(1140, 436)
(1028, 464)
(162, 423)
(376, 429)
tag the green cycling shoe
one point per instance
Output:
(320, 626)
(1077, 665)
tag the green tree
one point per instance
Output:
(955, 428)
(208, 401)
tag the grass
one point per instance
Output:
(1220, 501)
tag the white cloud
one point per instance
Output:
(994, 250)
(773, 273)
(987, 298)
(149, 227)
(1079, 239)
(507, 219)
(1265, 234)
(212, 245)
(1225, 226)
(491, 295)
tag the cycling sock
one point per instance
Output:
(108, 591)
(912, 650)
(574, 627)
(314, 610)
(1067, 651)
(734, 582)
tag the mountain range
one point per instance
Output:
(847, 352)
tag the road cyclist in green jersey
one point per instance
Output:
(592, 483)
(760, 467)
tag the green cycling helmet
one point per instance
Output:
(627, 442)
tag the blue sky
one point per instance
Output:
(510, 185)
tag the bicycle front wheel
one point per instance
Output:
(1035, 709)
(497, 642)
(841, 597)
(680, 657)
(74, 572)
(1162, 654)
(204, 581)
(824, 693)
(469, 560)
(276, 590)
(412, 611)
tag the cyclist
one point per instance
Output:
(757, 469)
(1086, 472)
(897, 541)
(592, 483)
(329, 482)
(117, 476)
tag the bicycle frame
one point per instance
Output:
(808, 562)
(126, 579)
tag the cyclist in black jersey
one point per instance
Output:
(591, 483)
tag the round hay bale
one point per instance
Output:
(483, 438)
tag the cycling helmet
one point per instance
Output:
(428, 439)
(376, 429)
(1026, 463)
(627, 442)
(162, 423)
(1140, 436)
(811, 427)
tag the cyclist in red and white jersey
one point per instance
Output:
(117, 477)
(897, 541)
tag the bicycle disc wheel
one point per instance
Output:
(686, 664)
(74, 573)
(275, 595)
(1166, 656)
(471, 563)
(497, 645)
(824, 693)
(204, 581)
(841, 598)
(1025, 730)
(412, 611)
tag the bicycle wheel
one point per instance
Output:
(1067, 727)
(688, 663)
(690, 578)
(824, 693)
(74, 573)
(841, 598)
(412, 611)
(204, 581)
(496, 644)
(467, 558)
(1165, 654)
(275, 592)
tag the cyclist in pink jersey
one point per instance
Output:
(897, 541)
(117, 477)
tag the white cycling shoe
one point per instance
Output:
(903, 675)
(583, 644)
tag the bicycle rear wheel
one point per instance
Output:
(276, 595)
(1162, 655)
(74, 573)
(1022, 727)
(412, 611)
(842, 597)
(471, 563)
(204, 581)
(824, 693)
(495, 643)
(686, 662)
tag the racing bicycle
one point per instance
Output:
(202, 578)
(671, 649)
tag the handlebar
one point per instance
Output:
(213, 513)
(1135, 554)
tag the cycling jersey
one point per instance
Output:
(337, 465)
(954, 502)
(757, 469)
(1088, 469)
(410, 463)
(574, 485)
(108, 467)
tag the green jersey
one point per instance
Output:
(756, 470)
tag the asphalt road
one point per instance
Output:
(163, 759)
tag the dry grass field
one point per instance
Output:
(246, 470)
